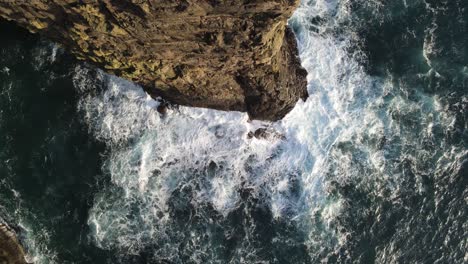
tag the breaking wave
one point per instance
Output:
(336, 179)
(372, 168)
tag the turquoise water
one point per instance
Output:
(371, 169)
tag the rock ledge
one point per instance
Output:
(228, 55)
(11, 251)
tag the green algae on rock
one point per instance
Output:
(227, 55)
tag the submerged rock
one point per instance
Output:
(265, 133)
(11, 251)
(228, 55)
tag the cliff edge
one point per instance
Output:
(228, 55)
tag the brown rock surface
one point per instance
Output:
(228, 55)
(11, 251)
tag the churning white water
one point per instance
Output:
(204, 160)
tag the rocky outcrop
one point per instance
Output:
(11, 251)
(228, 55)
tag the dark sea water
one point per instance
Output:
(372, 169)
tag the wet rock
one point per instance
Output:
(11, 251)
(228, 55)
(162, 108)
(265, 133)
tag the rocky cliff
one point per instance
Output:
(228, 55)
(11, 251)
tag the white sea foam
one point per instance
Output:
(203, 157)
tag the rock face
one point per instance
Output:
(228, 55)
(11, 251)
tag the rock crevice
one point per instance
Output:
(228, 55)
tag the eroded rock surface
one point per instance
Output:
(228, 55)
(11, 251)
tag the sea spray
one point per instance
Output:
(372, 168)
(191, 185)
